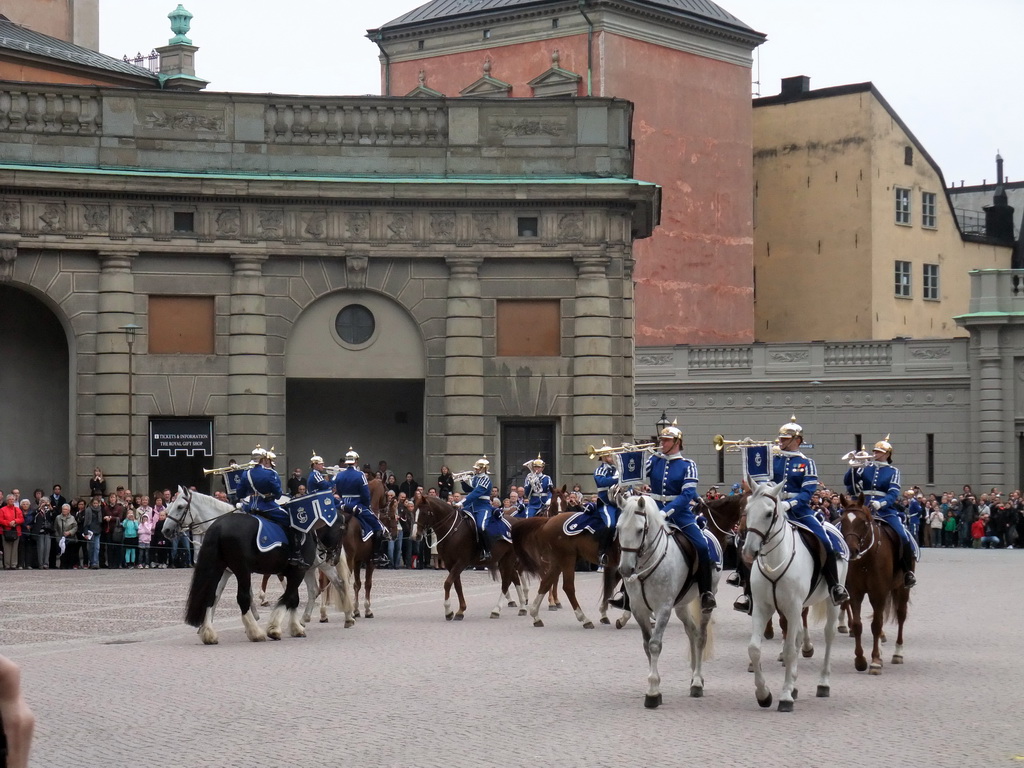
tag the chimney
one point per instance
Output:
(794, 86)
(999, 215)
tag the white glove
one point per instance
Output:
(458, 505)
(785, 506)
(875, 505)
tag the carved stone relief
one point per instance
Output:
(315, 224)
(358, 225)
(10, 216)
(486, 226)
(228, 222)
(524, 127)
(8, 254)
(442, 225)
(54, 218)
(570, 226)
(140, 219)
(400, 226)
(167, 120)
(271, 222)
(96, 217)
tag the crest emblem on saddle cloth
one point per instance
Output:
(577, 523)
(304, 512)
(269, 535)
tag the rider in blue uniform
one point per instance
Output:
(351, 487)
(800, 475)
(538, 488)
(606, 514)
(259, 490)
(879, 481)
(317, 480)
(478, 501)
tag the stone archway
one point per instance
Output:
(356, 370)
(35, 392)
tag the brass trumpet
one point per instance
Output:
(607, 450)
(463, 477)
(721, 443)
(859, 458)
(230, 468)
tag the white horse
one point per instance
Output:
(197, 510)
(781, 581)
(655, 573)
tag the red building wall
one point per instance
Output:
(693, 131)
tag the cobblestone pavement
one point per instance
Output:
(116, 679)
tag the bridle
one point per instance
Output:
(861, 549)
(454, 526)
(186, 511)
(646, 551)
(711, 518)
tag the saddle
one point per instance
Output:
(817, 550)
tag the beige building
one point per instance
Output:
(854, 234)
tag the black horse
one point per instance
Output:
(230, 544)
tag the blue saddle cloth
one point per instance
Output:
(833, 534)
(714, 548)
(578, 523)
(499, 528)
(269, 535)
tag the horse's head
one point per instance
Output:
(559, 502)
(640, 526)
(179, 513)
(763, 518)
(427, 511)
(856, 524)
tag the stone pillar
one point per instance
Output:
(990, 416)
(115, 308)
(464, 366)
(247, 359)
(593, 402)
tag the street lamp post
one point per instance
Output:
(660, 425)
(129, 336)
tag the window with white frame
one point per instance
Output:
(903, 279)
(902, 205)
(930, 282)
(928, 210)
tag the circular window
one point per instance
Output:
(355, 324)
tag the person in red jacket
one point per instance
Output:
(11, 519)
(981, 534)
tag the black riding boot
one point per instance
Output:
(621, 600)
(830, 571)
(485, 545)
(909, 579)
(380, 555)
(604, 543)
(707, 597)
(295, 541)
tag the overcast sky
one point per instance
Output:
(948, 69)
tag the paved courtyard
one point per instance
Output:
(116, 679)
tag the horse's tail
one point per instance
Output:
(205, 578)
(709, 639)
(343, 598)
(527, 547)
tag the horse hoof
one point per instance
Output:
(511, 603)
(897, 659)
(808, 652)
(460, 616)
(785, 706)
(619, 623)
(876, 669)
(766, 702)
(605, 620)
(750, 668)
(769, 632)
(273, 635)
(652, 702)
(588, 625)
(796, 694)
(696, 692)
(522, 612)
(369, 615)
(357, 615)
(554, 607)
(538, 623)
(349, 623)
(495, 615)
(860, 663)
(823, 692)
(449, 616)
(324, 620)
(844, 631)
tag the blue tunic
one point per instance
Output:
(605, 476)
(538, 492)
(316, 482)
(260, 488)
(673, 481)
(801, 480)
(351, 486)
(880, 483)
(478, 498)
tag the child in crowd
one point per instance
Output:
(131, 539)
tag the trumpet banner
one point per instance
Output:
(757, 462)
(630, 466)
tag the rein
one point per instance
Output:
(861, 550)
(643, 552)
(766, 570)
(710, 517)
(454, 525)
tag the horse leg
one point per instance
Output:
(653, 643)
(831, 624)
(843, 616)
(244, 597)
(569, 585)
(902, 598)
(367, 610)
(262, 596)
(542, 589)
(324, 583)
(698, 639)
(791, 610)
(806, 649)
(856, 628)
(769, 629)
(553, 602)
(877, 617)
(461, 613)
(760, 617)
(506, 582)
(355, 566)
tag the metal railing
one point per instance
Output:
(150, 62)
(971, 222)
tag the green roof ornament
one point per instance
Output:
(181, 20)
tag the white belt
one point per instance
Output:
(662, 498)
(874, 493)
(350, 497)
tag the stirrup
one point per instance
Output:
(838, 594)
(743, 604)
(733, 579)
(909, 579)
(708, 602)
(619, 601)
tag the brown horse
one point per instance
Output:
(544, 550)
(874, 571)
(458, 548)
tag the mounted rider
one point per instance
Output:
(800, 476)
(351, 486)
(317, 480)
(879, 481)
(259, 489)
(537, 487)
(606, 514)
(478, 502)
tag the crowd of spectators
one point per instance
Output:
(119, 529)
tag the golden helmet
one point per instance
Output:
(315, 459)
(351, 457)
(482, 463)
(672, 431)
(791, 429)
(538, 462)
(884, 445)
(259, 453)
